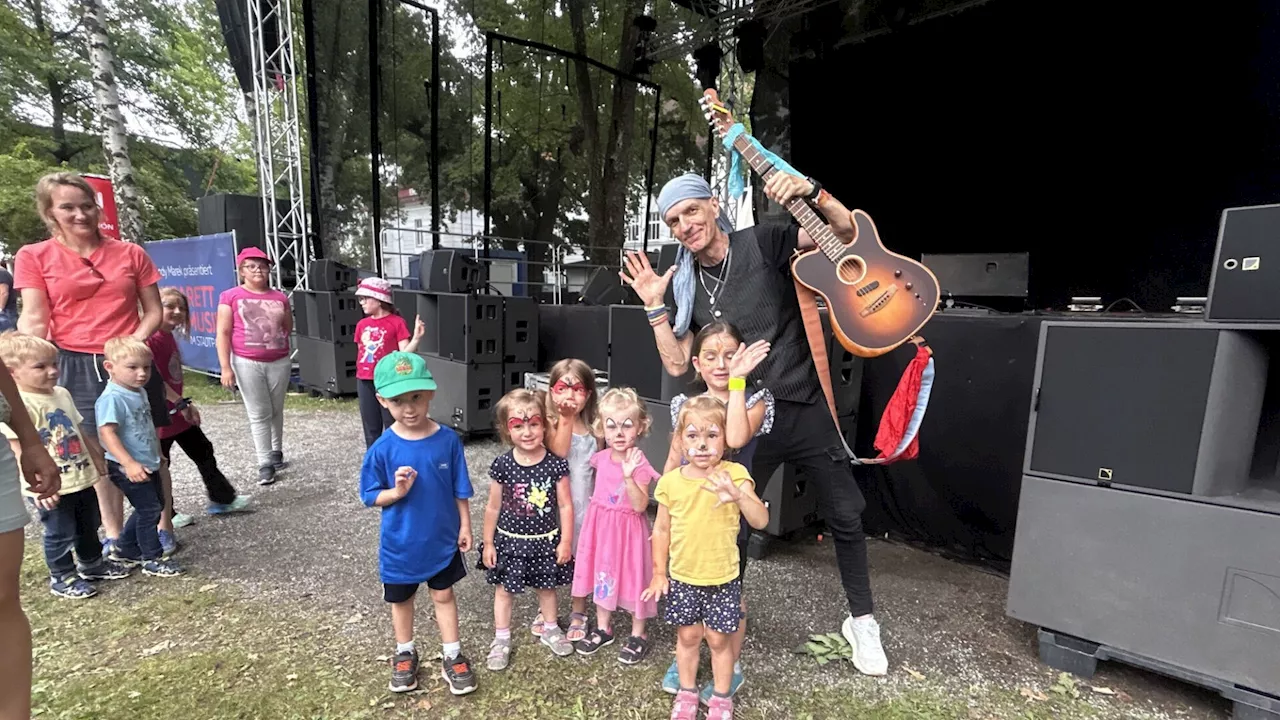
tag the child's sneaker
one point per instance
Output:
(710, 688)
(181, 520)
(240, 504)
(457, 673)
(108, 547)
(594, 640)
(554, 638)
(266, 475)
(277, 460)
(168, 543)
(720, 708)
(685, 706)
(106, 570)
(404, 672)
(671, 681)
(499, 655)
(160, 568)
(71, 587)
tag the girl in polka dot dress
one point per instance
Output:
(695, 552)
(528, 524)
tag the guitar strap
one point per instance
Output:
(818, 347)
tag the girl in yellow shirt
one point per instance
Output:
(695, 552)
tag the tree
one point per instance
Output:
(115, 143)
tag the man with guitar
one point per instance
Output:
(745, 278)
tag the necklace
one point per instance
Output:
(717, 280)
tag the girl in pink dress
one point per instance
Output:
(615, 559)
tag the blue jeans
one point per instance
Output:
(73, 524)
(139, 540)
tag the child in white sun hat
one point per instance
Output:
(381, 332)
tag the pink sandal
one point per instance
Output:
(538, 625)
(577, 627)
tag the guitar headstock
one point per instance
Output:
(716, 113)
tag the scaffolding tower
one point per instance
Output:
(277, 141)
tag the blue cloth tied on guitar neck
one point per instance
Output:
(737, 175)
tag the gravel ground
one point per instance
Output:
(311, 539)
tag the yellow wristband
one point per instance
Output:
(737, 383)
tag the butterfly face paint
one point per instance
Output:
(703, 444)
(525, 428)
(621, 428)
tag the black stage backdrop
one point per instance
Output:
(1103, 138)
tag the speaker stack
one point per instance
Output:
(325, 320)
(477, 346)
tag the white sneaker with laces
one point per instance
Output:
(863, 635)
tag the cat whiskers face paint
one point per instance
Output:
(703, 444)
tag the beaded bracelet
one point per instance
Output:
(658, 320)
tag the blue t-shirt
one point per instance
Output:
(419, 531)
(130, 412)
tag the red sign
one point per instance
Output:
(108, 221)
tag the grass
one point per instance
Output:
(204, 389)
(158, 649)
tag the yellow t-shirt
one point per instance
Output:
(704, 538)
(58, 422)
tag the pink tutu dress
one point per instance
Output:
(614, 563)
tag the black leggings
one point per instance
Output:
(196, 445)
(806, 436)
(373, 416)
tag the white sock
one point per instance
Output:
(404, 647)
(452, 650)
(737, 667)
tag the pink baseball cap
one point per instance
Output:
(375, 288)
(252, 253)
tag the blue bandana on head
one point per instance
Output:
(689, 186)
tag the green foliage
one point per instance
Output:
(825, 648)
(20, 168)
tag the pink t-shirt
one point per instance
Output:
(91, 300)
(169, 362)
(259, 329)
(610, 490)
(375, 339)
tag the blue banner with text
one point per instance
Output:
(201, 267)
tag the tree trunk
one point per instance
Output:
(115, 143)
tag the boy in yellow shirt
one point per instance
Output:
(696, 535)
(71, 517)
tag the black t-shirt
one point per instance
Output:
(10, 305)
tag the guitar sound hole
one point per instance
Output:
(850, 270)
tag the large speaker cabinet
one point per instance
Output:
(1244, 284)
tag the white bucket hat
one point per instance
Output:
(376, 288)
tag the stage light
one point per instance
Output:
(707, 58)
(750, 48)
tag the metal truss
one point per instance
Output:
(277, 141)
(721, 20)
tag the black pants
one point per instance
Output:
(805, 436)
(196, 445)
(73, 524)
(373, 416)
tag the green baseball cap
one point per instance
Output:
(400, 373)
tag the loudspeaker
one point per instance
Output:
(1147, 405)
(792, 501)
(242, 215)
(846, 371)
(513, 375)
(1244, 284)
(633, 357)
(331, 276)
(980, 275)
(301, 316)
(412, 304)
(657, 443)
(331, 316)
(519, 330)
(604, 287)
(329, 367)
(466, 394)
(469, 327)
(576, 331)
(451, 271)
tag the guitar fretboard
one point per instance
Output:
(818, 229)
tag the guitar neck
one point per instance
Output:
(817, 228)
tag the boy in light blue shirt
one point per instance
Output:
(128, 436)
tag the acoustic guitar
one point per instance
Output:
(876, 300)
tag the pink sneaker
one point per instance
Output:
(719, 708)
(686, 706)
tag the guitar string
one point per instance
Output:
(797, 206)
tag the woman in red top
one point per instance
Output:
(80, 289)
(379, 333)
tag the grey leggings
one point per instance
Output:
(263, 385)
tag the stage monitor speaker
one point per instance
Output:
(412, 305)
(326, 366)
(981, 275)
(331, 276)
(574, 331)
(242, 215)
(519, 330)
(331, 316)
(792, 501)
(466, 394)
(451, 271)
(633, 357)
(846, 371)
(469, 327)
(1156, 406)
(604, 287)
(1244, 285)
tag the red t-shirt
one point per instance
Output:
(169, 362)
(375, 339)
(89, 302)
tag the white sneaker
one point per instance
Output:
(863, 635)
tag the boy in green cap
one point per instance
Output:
(416, 472)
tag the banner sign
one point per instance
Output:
(201, 267)
(108, 219)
